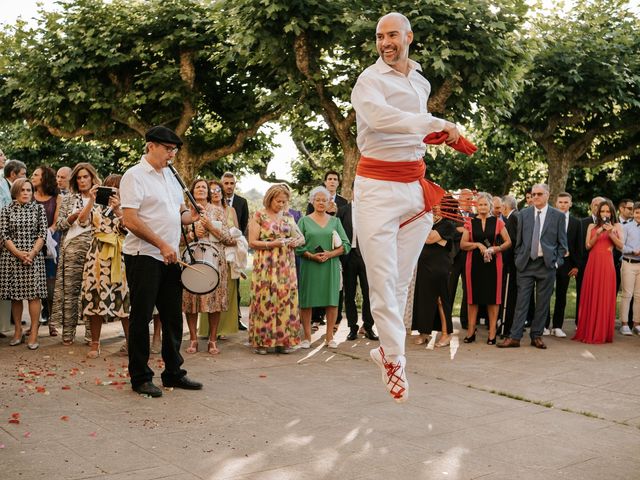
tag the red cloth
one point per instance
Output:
(405, 172)
(597, 311)
(462, 145)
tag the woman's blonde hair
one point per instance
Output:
(273, 192)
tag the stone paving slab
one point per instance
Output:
(569, 412)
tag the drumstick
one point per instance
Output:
(186, 265)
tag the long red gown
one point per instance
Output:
(597, 311)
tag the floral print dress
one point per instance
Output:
(274, 316)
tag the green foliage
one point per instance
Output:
(108, 70)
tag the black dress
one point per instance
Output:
(432, 277)
(484, 280)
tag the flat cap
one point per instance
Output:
(162, 134)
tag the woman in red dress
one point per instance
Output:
(597, 311)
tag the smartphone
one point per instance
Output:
(103, 194)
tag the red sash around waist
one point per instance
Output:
(405, 172)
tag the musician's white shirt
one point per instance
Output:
(391, 113)
(157, 196)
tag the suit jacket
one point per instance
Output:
(340, 202)
(575, 243)
(508, 256)
(553, 238)
(584, 224)
(241, 207)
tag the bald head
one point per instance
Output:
(62, 178)
(396, 17)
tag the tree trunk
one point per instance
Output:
(351, 157)
(559, 166)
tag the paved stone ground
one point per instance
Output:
(570, 412)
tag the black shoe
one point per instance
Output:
(184, 382)
(148, 388)
(241, 326)
(370, 335)
(470, 339)
(353, 335)
(491, 341)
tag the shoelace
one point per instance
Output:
(392, 376)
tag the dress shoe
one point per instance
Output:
(370, 335)
(509, 343)
(184, 382)
(148, 388)
(241, 326)
(353, 335)
(491, 341)
(538, 343)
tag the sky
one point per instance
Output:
(10, 10)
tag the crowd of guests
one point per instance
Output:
(62, 239)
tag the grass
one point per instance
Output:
(570, 312)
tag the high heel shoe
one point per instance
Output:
(193, 346)
(470, 339)
(491, 341)
(213, 349)
(17, 341)
(94, 353)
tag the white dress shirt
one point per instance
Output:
(157, 196)
(391, 113)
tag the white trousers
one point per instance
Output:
(630, 286)
(390, 253)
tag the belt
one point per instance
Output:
(630, 260)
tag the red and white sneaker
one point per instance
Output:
(393, 375)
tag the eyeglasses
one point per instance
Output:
(537, 194)
(169, 148)
(216, 190)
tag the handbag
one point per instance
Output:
(51, 244)
(336, 241)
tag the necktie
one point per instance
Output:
(229, 201)
(535, 241)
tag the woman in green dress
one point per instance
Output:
(320, 275)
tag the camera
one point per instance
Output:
(103, 194)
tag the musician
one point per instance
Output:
(153, 210)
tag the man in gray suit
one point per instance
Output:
(540, 248)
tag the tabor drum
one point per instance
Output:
(202, 275)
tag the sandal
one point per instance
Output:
(94, 352)
(193, 346)
(53, 331)
(443, 343)
(213, 349)
(422, 339)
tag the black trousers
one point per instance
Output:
(353, 270)
(457, 271)
(562, 286)
(152, 283)
(509, 298)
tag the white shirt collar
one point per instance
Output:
(382, 67)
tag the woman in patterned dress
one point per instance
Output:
(23, 230)
(105, 295)
(212, 227)
(228, 318)
(74, 221)
(46, 194)
(274, 317)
